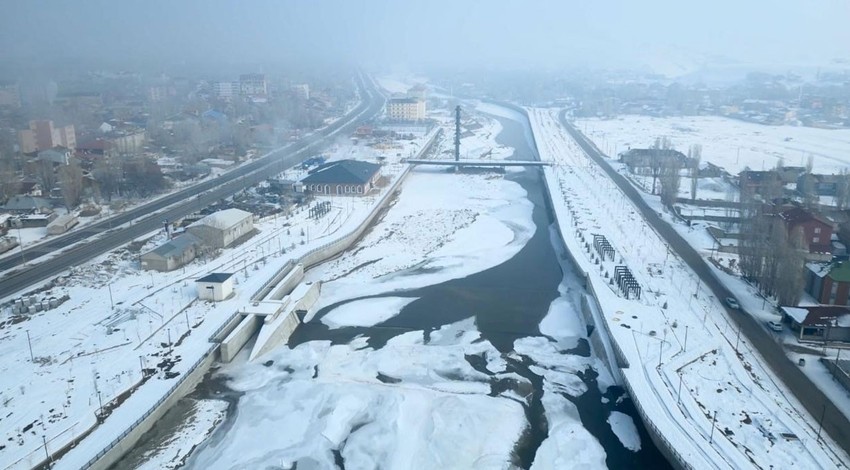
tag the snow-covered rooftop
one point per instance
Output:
(223, 219)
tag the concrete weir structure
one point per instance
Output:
(274, 310)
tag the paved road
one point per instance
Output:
(173, 206)
(834, 422)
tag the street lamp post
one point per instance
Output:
(21, 242)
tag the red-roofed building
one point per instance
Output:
(809, 230)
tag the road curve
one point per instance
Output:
(805, 391)
(99, 238)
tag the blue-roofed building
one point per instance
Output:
(343, 177)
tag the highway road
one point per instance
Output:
(805, 391)
(101, 237)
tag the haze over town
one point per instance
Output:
(351, 234)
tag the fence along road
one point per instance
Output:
(805, 391)
(176, 205)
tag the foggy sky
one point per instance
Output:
(441, 32)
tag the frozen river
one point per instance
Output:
(464, 352)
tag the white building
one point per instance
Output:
(301, 90)
(226, 90)
(405, 109)
(222, 228)
(215, 286)
(254, 85)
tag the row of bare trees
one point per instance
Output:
(666, 169)
(769, 257)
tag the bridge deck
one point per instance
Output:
(477, 162)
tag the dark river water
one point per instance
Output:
(508, 302)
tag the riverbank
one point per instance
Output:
(433, 321)
(704, 390)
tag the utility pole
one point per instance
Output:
(738, 339)
(820, 423)
(679, 393)
(713, 421)
(457, 135)
(660, 352)
(29, 342)
(111, 302)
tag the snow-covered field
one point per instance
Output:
(677, 333)
(89, 355)
(728, 143)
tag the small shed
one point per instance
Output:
(215, 286)
(172, 254)
(61, 224)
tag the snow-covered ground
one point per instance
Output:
(416, 402)
(747, 295)
(85, 352)
(677, 333)
(728, 143)
(399, 82)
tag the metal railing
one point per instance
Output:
(152, 409)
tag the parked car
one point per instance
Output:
(774, 325)
(732, 303)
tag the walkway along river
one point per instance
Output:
(507, 302)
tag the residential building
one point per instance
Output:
(43, 135)
(172, 254)
(222, 228)
(122, 138)
(809, 231)
(819, 185)
(344, 177)
(226, 90)
(27, 205)
(10, 94)
(254, 85)
(405, 109)
(55, 155)
(301, 90)
(759, 182)
(641, 161)
(829, 283)
(215, 286)
(819, 323)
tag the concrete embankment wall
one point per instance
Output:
(604, 343)
(289, 282)
(124, 444)
(237, 338)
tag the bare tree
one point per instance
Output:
(842, 190)
(8, 178)
(46, 174)
(107, 172)
(71, 178)
(694, 155)
(660, 149)
(670, 177)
